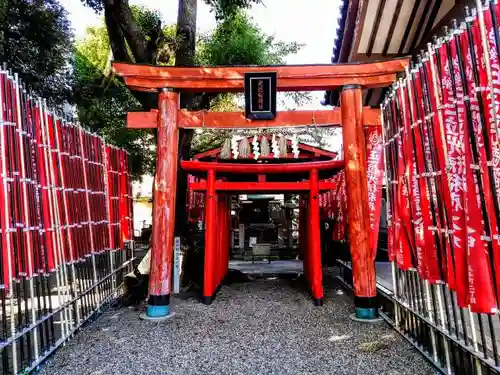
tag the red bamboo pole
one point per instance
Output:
(363, 264)
(210, 238)
(164, 206)
(314, 235)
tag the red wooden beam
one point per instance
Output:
(290, 77)
(142, 120)
(283, 84)
(200, 166)
(237, 120)
(261, 186)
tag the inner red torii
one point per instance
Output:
(168, 119)
(308, 176)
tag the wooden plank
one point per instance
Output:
(237, 120)
(406, 34)
(374, 31)
(394, 21)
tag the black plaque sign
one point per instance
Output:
(260, 96)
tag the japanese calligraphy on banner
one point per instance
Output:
(446, 114)
(374, 175)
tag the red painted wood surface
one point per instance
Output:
(284, 84)
(237, 120)
(363, 263)
(210, 236)
(143, 120)
(290, 77)
(262, 186)
(164, 192)
(314, 236)
(200, 166)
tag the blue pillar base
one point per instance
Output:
(157, 308)
(366, 313)
(318, 301)
(365, 320)
(366, 309)
(157, 313)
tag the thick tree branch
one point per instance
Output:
(116, 39)
(124, 33)
(133, 34)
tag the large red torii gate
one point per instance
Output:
(168, 119)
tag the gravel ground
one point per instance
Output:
(258, 327)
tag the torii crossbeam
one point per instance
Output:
(351, 116)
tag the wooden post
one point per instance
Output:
(210, 239)
(302, 235)
(363, 263)
(314, 235)
(165, 186)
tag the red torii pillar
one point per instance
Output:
(164, 192)
(363, 264)
(314, 236)
(210, 239)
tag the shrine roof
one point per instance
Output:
(305, 153)
(373, 30)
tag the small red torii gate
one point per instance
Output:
(169, 118)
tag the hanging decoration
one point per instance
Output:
(264, 146)
(225, 152)
(295, 146)
(255, 147)
(275, 148)
(283, 145)
(244, 148)
(234, 147)
(374, 175)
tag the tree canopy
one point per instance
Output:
(36, 41)
(103, 102)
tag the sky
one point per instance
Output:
(312, 23)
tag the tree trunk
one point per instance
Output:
(124, 31)
(185, 56)
(186, 30)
